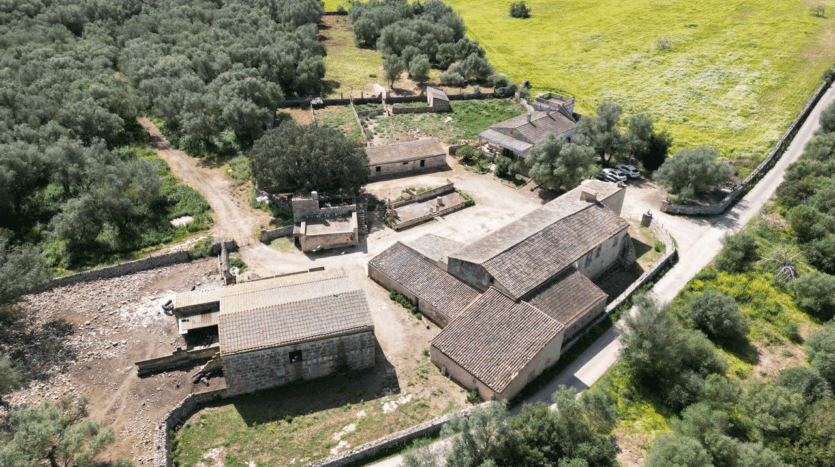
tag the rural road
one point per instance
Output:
(232, 218)
(699, 241)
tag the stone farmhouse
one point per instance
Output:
(508, 301)
(410, 157)
(281, 329)
(553, 115)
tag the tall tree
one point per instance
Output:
(298, 159)
(558, 162)
(602, 133)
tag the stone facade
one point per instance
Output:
(266, 368)
(319, 234)
(399, 168)
(603, 256)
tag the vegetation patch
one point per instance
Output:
(468, 119)
(732, 76)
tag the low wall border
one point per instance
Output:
(764, 166)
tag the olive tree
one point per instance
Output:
(693, 169)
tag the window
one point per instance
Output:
(422, 163)
(405, 163)
(379, 169)
(589, 257)
(296, 356)
(616, 241)
(597, 252)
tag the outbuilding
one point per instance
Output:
(405, 158)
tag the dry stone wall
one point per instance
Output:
(394, 440)
(765, 165)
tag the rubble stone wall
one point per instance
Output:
(261, 369)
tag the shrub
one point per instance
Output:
(519, 10)
(807, 382)
(419, 67)
(827, 118)
(808, 223)
(465, 152)
(740, 250)
(482, 166)
(238, 263)
(717, 315)
(502, 166)
(452, 78)
(820, 347)
(202, 248)
(696, 168)
(815, 293)
(660, 246)
(473, 397)
(820, 253)
(506, 91)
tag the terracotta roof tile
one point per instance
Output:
(495, 338)
(567, 297)
(404, 152)
(429, 283)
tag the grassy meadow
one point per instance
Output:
(735, 74)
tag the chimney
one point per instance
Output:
(589, 195)
(314, 195)
(529, 117)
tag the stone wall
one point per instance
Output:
(272, 234)
(412, 110)
(449, 187)
(178, 358)
(267, 368)
(782, 144)
(418, 220)
(394, 440)
(395, 169)
(378, 99)
(131, 267)
(179, 414)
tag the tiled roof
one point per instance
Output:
(567, 297)
(404, 152)
(495, 338)
(434, 247)
(505, 141)
(497, 242)
(546, 253)
(429, 283)
(289, 309)
(540, 126)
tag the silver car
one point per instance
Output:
(628, 170)
(614, 173)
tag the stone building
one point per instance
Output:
(325, 227)
(405, 158)
(497, 346)
(437, 99)
(281, 329)
(517, 136)
(538, 268)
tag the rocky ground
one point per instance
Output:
(83, 339)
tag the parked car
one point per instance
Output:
(621, 177)
(607, 177)
(628, 170)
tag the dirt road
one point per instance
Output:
(232, 217)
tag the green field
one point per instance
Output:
(736, 74)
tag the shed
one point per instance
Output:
(405, 158)
(437, 99)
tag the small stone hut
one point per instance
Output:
(437, 99)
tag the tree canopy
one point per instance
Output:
(296, 158)
(693, 170)
(560, 162)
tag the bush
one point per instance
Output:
(465, 152)
(452, 78)
(473, 397)
(506, 91)
(820, 347)
(238, 263)
(519, 10)
(809, 224)
(807, 382)
(502, 166)
(202, 248)
(814, 292)
(482, 166)
(660, 246)
(740, 250)
(717, 315)
(498, 81)
(820, 253)
(695, 168)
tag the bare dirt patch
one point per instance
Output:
(106, 326)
